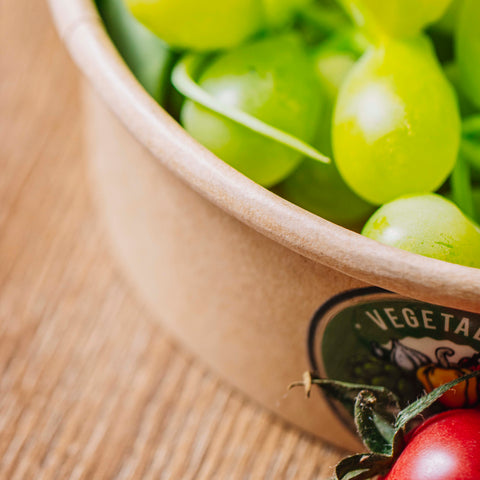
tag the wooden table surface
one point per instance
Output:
(90, 387)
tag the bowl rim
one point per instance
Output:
(405, 273)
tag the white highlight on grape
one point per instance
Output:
(378, 110)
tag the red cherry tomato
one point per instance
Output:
(445, 447)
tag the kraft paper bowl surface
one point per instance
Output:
(232, 271)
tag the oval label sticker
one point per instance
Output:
(374, 337)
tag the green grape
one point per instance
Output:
(400, 18)
(200, 25)
(429, 225)
(396, 123)
(212, 24)
(321, 190)
(317, 187)
(333, 60)
(272, 80)
(146, 55)
(468, 49)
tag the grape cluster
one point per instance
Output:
(340, 106)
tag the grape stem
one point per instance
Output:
(469, 156)
(462, 186)
(470, 148)
(471, 152)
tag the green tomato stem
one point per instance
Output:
(183, 75)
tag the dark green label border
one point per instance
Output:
(322, 312)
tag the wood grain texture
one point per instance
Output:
(90, 387)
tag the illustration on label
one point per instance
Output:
(374, 337)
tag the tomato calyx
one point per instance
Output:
(380, 422)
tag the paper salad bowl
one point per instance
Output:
(256, 287)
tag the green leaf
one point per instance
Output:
(367, 421)
(348, 392)
(375, 408)
(362, 466)
(183, 75)
(420, 405)
(377, 421)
